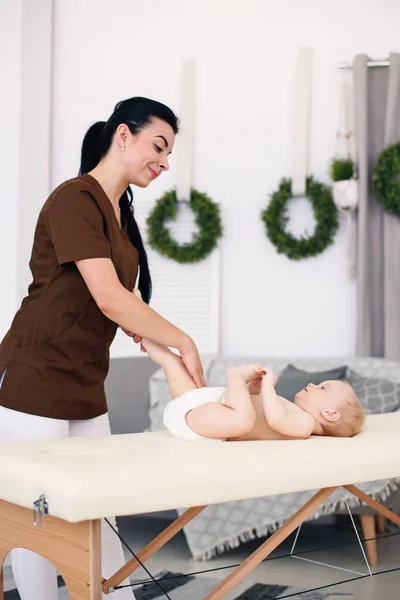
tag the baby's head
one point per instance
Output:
(334, 406)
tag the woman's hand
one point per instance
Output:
(188, 351)
(191, 360)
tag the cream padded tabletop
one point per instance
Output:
(88, 478)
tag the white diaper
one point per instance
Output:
(176, 411)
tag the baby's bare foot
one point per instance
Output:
(246, 372)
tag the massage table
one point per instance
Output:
(54, 492)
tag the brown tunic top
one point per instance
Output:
(56, 353)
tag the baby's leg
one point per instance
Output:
(178, 378)
(238, 396)
(219, 421)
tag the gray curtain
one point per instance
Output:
(377, 123)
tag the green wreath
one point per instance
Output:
(207, 218)
(385, 181)
(275, 218)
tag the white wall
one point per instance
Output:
(245, 51)
(10, 63)
(25, 109)
(35, 123)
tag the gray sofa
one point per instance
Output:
(137, 393)
(127, 389)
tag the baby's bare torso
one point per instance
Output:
(261, 429)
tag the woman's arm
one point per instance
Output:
(131, 313)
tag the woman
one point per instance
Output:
(86, 255)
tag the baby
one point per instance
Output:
(249, 408)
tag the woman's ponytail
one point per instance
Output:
(92, 147)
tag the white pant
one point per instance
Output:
(36, 578)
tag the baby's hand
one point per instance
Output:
(270, 377)
(247, 372)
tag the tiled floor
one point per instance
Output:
(175, 556)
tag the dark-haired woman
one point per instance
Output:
(87, 253)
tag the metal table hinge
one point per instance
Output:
(40, 507)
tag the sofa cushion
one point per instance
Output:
(292, 379)
(376, 395)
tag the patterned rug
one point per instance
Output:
(180, 587)
(197, 587)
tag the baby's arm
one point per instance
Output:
(281, 417)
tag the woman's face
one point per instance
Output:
(146, 153)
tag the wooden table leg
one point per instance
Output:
(380, 523)
(158, 542)
(267, 547)
(379, 508)
(73, 548)
(369, 533)
(1, 579)
(368, 524)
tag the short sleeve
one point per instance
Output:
(76, 226)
